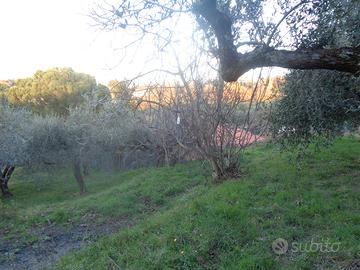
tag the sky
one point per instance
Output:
(42, 34)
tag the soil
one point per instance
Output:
(55, 241)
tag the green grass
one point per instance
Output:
(201, 226)
(54, 198)
(233, 225)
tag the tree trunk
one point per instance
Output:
(218, 174)
(5, 188)
(4, 180)
(234, 64)
(86, 170)
(78, 176)
(166, 157)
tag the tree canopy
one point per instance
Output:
(327, 103)
(4, 88)
(246, 34)
(322, 102)
(53, 91)
(120, 90)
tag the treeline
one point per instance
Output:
(56, 90)
(81, 125)
(60, 118)
(52, 91)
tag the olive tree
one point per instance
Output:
(247, 34)
(89, 137)
(316, 104)
(15, 125)
(322, 103)
(86, 138)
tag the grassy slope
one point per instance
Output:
(53, 199)
(198, 226)
(232, 226)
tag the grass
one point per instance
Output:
(54, 199)
(228, 226)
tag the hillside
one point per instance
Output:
(172, 218)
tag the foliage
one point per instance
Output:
(4, 87)
(336, 24)
(101, 94)
(15, 126)
(98, 134)
(316, 103)
(321, 103)
(89, 137)
(121, 91)
(53, 91)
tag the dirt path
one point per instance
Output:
(54, 242)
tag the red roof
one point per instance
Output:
(236, 137)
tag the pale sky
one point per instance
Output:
(42, 34)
